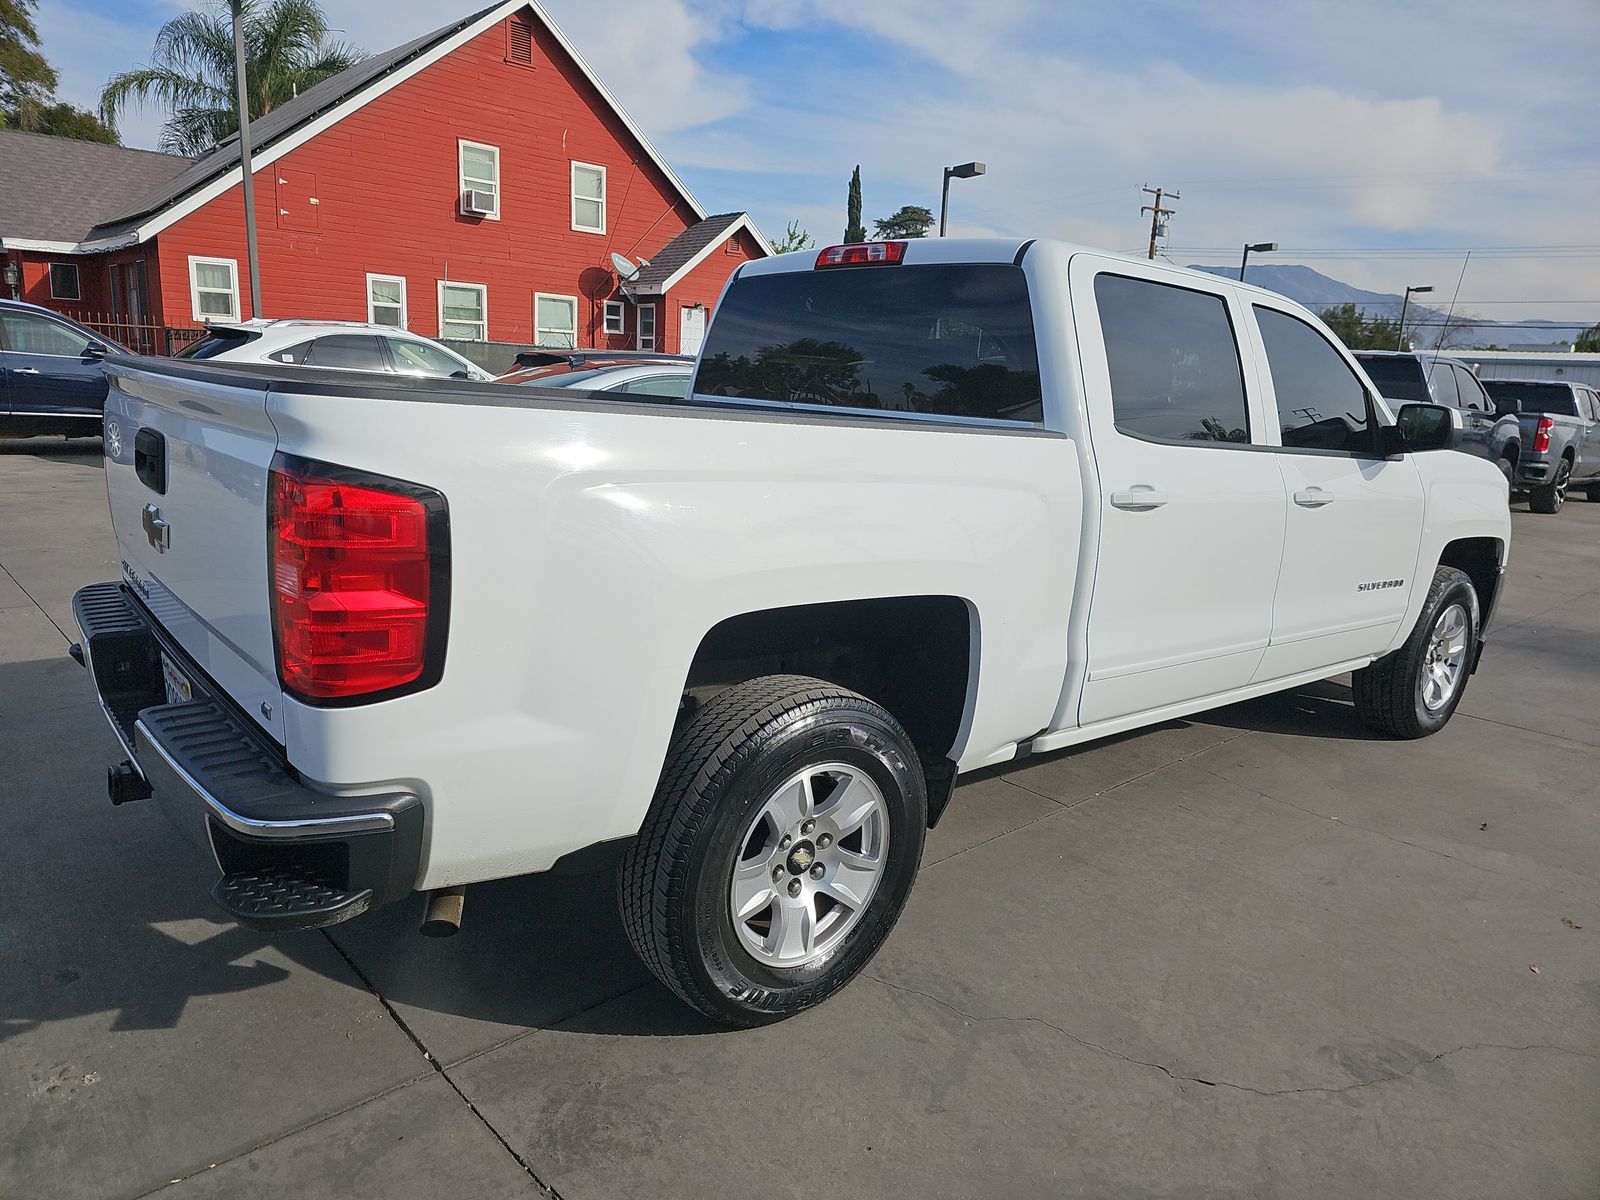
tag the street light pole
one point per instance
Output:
(1259, 248)
(964, 171)
(244, 159)
(1400, 334)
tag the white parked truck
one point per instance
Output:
(930, 507)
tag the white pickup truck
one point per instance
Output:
(930, 507)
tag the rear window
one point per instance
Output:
(1397, 378)
(217, 341)
(947, 339)
(1553, 399)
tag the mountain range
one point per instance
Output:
(1317, 291)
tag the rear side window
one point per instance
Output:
(1322, 405)
(1553, 399)
(942, 339)
(347, 352)
(1397, 378)
(1175, 374)
(1471, 390)
(217, 341)
(1444, 385)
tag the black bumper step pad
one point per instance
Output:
(287, 897)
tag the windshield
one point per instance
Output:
(1397, 378)
(945, 339)
(1553, 399)
(217, 341)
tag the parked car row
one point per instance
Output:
(52, 376)
(1544, 436)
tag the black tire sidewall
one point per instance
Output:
(857, 736)
(1460, 591)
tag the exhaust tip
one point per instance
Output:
(443, 915)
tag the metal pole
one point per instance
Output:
(1400, 334)
(1243, 261)
(244, 160)
(944, 201)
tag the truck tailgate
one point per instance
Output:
(187, 462)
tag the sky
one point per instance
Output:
(1375, 140)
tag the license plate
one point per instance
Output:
(178, 689)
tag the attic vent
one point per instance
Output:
(519, 43)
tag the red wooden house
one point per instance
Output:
(474, 183)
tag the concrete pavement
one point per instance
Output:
(1255, 953)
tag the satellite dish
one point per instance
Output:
(626, 271)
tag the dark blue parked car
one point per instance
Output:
(51, 374)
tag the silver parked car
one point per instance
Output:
(334, 345)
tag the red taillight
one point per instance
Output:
(356, 592)
(860, 254)
(1541, 435)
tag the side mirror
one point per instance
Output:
(95, 350)
(1507, 407)
(1420, 427)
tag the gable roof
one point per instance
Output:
(294, 123)
(686, 251)
(54, 190)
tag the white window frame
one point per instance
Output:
(463, 184)
(538, 329)
(601, 228)
(483, 290)
(77, 278)
(652, 335)
(405, 315)
(615, 317)
(196, 260)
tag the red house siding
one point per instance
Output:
(386, 183)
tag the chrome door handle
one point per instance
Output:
(1313, 498)
(1139, 498)
(24, 370)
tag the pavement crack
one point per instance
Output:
(441, 1071)
(1176, 1077)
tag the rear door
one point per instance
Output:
(49, 371)
(1191, 505)
(1589, 451)
(1478, 416)
(188, 450)
(1354, 519)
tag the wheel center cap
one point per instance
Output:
(801, 858)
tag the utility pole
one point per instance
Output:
(1157, 212)
(240, 91)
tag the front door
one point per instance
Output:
(49, 371)
(1354, 519)
(691, 329)
(1191, 499)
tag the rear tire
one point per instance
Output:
(717, 844)
(1413, 691)
(1549, 497)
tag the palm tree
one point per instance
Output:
(286, 51)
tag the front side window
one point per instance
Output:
(480, 179)
(419, 358)
(942, 339)
(614, 316)
(386, 300)
(64, 283)
(674, 386)
(647, 326)
(464, 311)
(555, 320)
(29, 333)
(588, 198)
(214, 288)
(1322, 404)
(1175, 373)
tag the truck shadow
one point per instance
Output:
(1318, 710)
(51, 446)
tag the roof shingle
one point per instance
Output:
(672, 257)
(55, 189)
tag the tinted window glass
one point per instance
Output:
(1322, 405)
(1471, 390)
(215, 342)
(1552, 398)
(1443, 380)
(347, 352)
(1175, 372)
(293, 354)
(953, 340)
(28, 333)
(419, 358)
(1396, 378)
